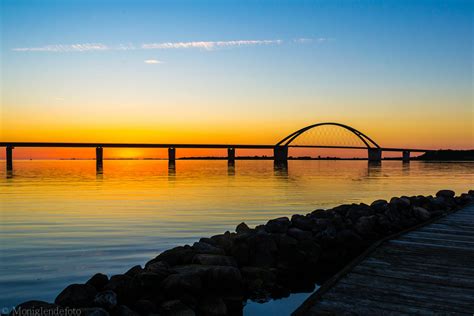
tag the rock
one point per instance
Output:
(134, 271)
(421, 213)
(400, 203)
(242, 228)
(217, 260)
(175, 256)
(122, 285)
(223, 280)
(175, 308)
(76, 295)
(365, 225)
(178, 283)
(253, 273)
(445, 194)
(299, 234)
(159, 267)
(357, 211)
(323, 213)
(263, 249)
(205, 248)
(240, 251)
(149, 281)
(379, 205)
(144, 307)
(98, 281)
(212, 306)
(302, 222)
(278, 225)
(224, 241)
(106, 299)
(94, 311)
(123, 310)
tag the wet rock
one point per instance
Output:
(223, 280)
(76, 295)
(217, 260)
(212, 306)
(224, 241)
(445, 194)
(365, 225)
(175, 308)
(400, 203)
(253, 273)
(94, 311)
(134, 271)
(421, 213)
(379, 205)
(206, 248)
(98, 281)
(159, 267)
(242, 228)
(106, 299)
(123, 310)
(175, 256)
(144, 307)
(299, 234)
(357, 211)
(278, 225)
(148, 281)
(327, 213)
(262, 249)
(189, 281)
(301, 222)
(240, 251)
(122, 285)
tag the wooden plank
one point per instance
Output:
(429, 270)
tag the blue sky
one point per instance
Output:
(357, 62)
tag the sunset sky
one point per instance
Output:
(235, 71)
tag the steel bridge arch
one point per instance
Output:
(286, 142)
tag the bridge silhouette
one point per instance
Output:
(280, 149)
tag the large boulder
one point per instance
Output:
(421, 214)
(217, 260)
(133, 271)
(212, 306)
(106, 299)
(365, 225)
(98, 281)
(302, 222)
(448, 194)
(76, 295)
(185, 281)
(175, 256)
(278, 225)
(123, 286)
(175, 308)
(224, 280)
(299, 234)
(206, 248)
(242, 228)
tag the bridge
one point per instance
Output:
(299, 139)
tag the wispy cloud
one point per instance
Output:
(204, 45)
(60, 48)
(208, 45)
(152, 61)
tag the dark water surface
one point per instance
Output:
(61, 222)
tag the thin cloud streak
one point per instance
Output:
(152, 61)
(204, 45)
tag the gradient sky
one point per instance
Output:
(236, 71)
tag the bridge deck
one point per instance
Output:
(429, 270)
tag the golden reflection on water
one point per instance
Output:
(61, 222)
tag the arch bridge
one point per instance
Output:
(280, 149)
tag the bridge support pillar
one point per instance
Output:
(231, 154)
(171, 154)
(374, 155)
(99, 159)
(406, 156)
(9, 157)
(280, 154)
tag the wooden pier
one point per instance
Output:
(427, 271)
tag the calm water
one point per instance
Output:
(61, 223)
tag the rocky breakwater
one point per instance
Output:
(216, 275)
